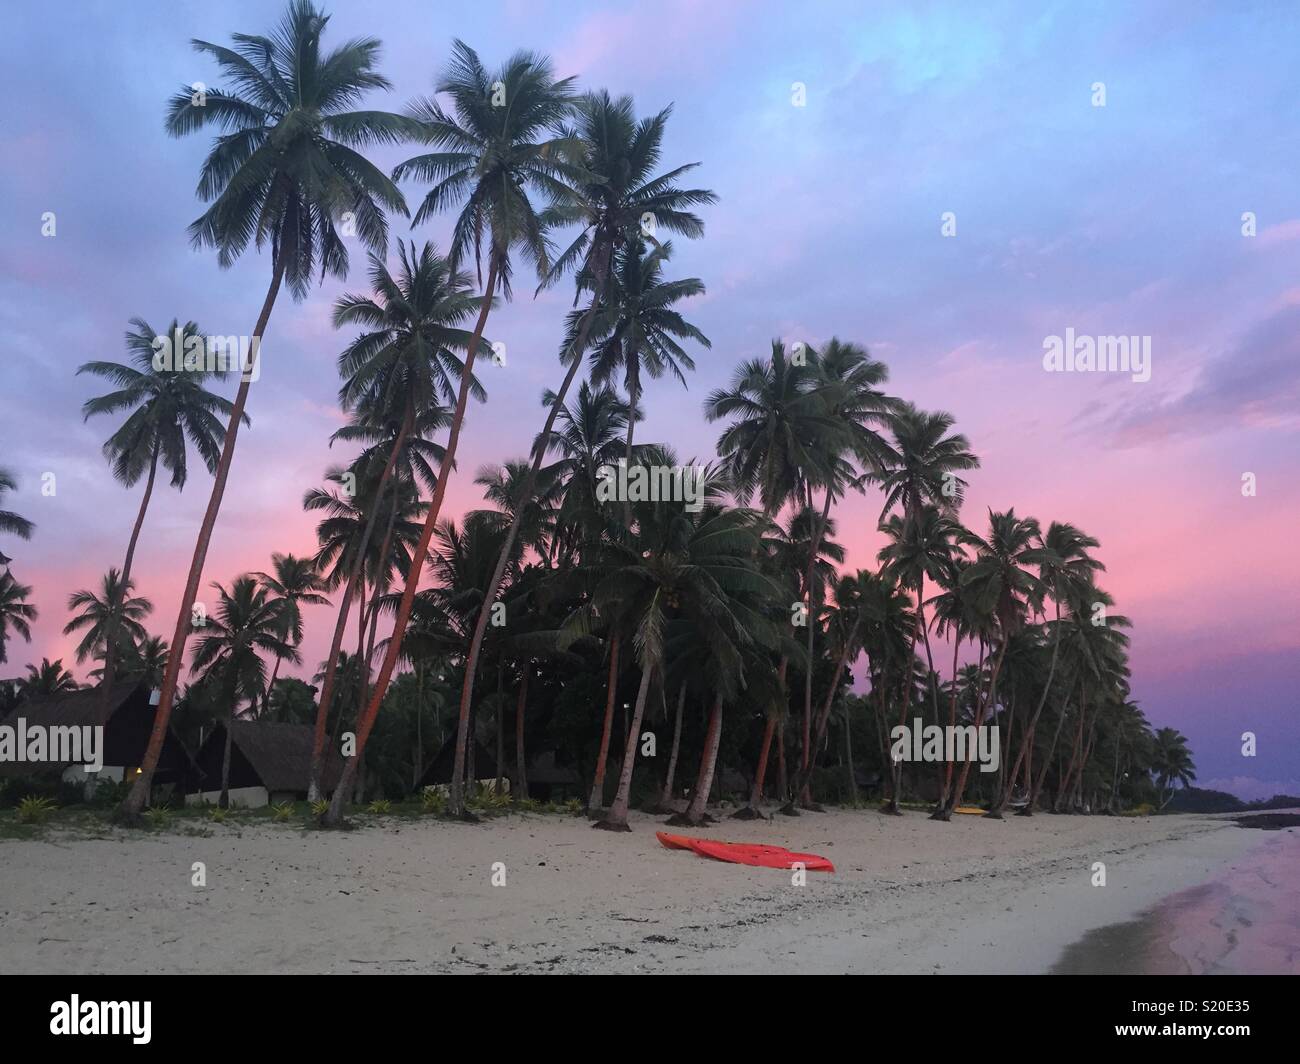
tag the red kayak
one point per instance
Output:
(746, 853)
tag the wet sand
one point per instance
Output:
(1246, 920)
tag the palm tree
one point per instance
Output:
(246, 623)
(636, 328)
(50, 678)
(346, 548)
(168, 403)
(783, 441)
(111, 617)
(16, 612)
(696, 568)
(493, 156)
(1066, 573)
(10, 522)
(294, 583)
(284, 171)
(610, 193)
(1004, 583)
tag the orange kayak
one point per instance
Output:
(746, 853)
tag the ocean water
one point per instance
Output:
(1245, 920)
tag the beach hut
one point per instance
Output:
(269, 764)
(438, 774)
(123, 723)
(550, 781)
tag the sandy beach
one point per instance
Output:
(397, 895)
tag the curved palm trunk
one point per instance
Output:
(824, 714)
(367, 717)
(520, 782)
(616, 818)
(503, 559)
(1028, 810)
(275, 672)
(952, 722)
(666, 795)
(1025, 743)
(597, 799)
(695, 812)
(355, 578)
(633, 391)
(983, 707)
(769, 732)
(135, 801)
(810, 585)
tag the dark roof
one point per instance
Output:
(280, 754)
(85, 706)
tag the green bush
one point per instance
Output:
(34, 809)
(283, 811)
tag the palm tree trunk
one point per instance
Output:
(810, 585)
(135, 801)
(597, 799)
(521, 504)
(824, 714)
(275, 672)
(367, 720)
(952, 723)
(521, 771)
(983, 705)
(1033, 721)
(633, 388)
(695, 812)
(139, 517)
(616, 819)
(848, 755)
(1047, 762)
(355, 577)
(666, 796)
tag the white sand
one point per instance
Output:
(908, 895)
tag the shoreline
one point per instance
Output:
(908, 895)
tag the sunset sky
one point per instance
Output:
(1125, 219)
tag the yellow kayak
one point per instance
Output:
(970, 810)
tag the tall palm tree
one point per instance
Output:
(12, 523)
(294, 583)
(697, 568)
(247, 622)
(638, 330)
(1005, 582)
(49, 678)
(399, 375)
(784, 440)
(113, 616)
(611, 190)
(1066, 573)
(168, 405)
(493, 157)
(284, 171)
(16, 613)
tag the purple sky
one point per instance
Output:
(1124, 219)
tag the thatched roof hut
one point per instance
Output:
(268, 763)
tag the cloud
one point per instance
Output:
(1251, 789)
(1282, 233)
(1254, 384)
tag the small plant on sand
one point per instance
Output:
(320, 806)
(528, 805)
(283, 811)
(379, 805)
(33, 810)
(573, 805)
(158, 817)
(218, 815)
(433, 801)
